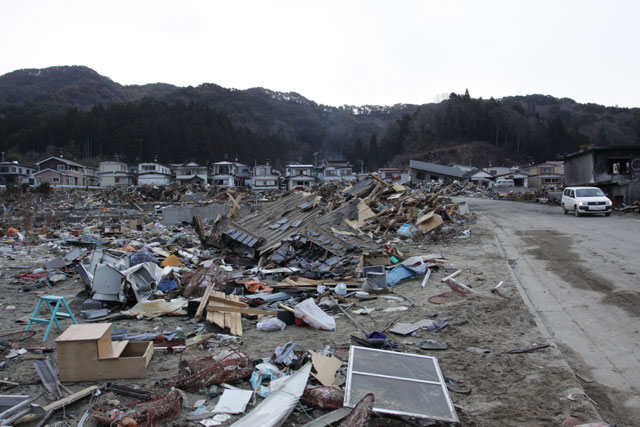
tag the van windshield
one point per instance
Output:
(589, 192)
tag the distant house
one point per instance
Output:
(115, 174)
(231, 174)
(480, 177)
(191, 172)
(336, 170)
(264, 178)
(424, 171)
(68, 173)
(542, 174)
(15, 173)
(153, 174)
(91, 176)
(390, 174)
(616, 170)
(299, 176)
(498, 170)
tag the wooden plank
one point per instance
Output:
(244, 310)
(451, 276)
(84, 332)
(203, 302)
(58, 404)
(116, 349)
(222, 300)
(236, 318)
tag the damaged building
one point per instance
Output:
(616, 170)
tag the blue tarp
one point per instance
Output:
(402, 272)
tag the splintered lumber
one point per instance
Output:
(203, 302)
(451, 276)
(197, 223)
(222, 313)
(379, 180)
(236, 206)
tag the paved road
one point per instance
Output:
(582, 277)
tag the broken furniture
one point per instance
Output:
(404, 384)
(86, 353)
(55, 315)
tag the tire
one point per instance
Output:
(575, 211)
(607, 214)
(564, 209)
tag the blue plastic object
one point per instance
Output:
(55, 315)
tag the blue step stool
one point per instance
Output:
(55, 315)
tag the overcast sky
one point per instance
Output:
(341, 52)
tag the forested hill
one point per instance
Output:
(518, 128)
(43, 108)
(89, 116)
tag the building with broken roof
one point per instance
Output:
(616, 170)
(390, 174)
(425, 171)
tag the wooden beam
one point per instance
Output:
(58, 404)
(244, 310)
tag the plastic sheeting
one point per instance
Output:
(276, 408)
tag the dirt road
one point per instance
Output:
(582, 278)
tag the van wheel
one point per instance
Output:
(575, 211)
(564, 209)
(607, 214)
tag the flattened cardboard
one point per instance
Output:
(326, 368)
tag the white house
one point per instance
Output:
(230, 174)
(191, 172)
(153, 174)
(114, 173)
(337, 170)
(264, 178)
(299, 176)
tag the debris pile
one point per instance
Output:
(241, 270)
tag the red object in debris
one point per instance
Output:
(571, 421)
(323, 397)
(32, 276)
(12, 231)
(300, 322)
(254, 286)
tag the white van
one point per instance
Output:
(504, 182)
(585, 200)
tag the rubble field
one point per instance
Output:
(267, 309)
